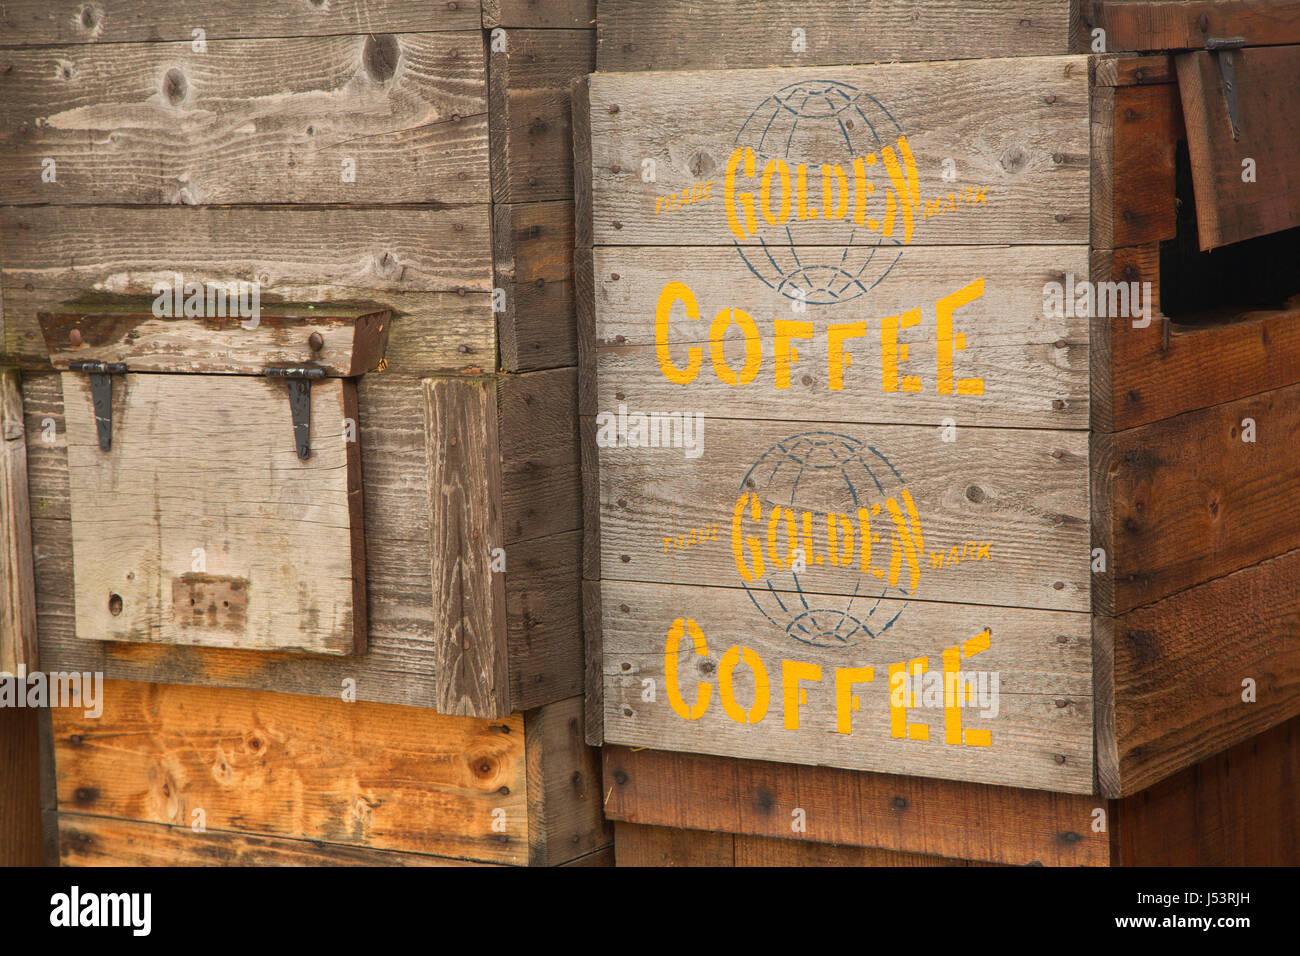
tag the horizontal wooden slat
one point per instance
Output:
(1033, 366)
(1186, 24)
(680, 35)
(531, 13)
(910, 814)
(369, 775)
(394, 256)
(1017, 128)
(248, 121)
(32, 22)
(1040, 737)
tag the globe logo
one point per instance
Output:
(804, 174)
(825, 531)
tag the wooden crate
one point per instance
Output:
(1098, 506)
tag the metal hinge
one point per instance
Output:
(299, 381)
(1222, 48)
(101, 395)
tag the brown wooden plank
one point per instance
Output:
(534, 265)
(367, 775)
(18, 648)
(465, 530)
(1134, 70)
(908, 814)
(1185, 24)
(201, 525)
(539, 13)
(538, 430)
(1235, 809)
(1133, 165)
(1231, 204)
(680, 35)
(224, 340)
(394, 255)
(671, 846)
(20, 805)
(543, 619)
(564, 796)
(1190, 501)
(248, 121)
(34, 22)
(530, 126)
(1181, 667)
(767, 851)
(91, 841)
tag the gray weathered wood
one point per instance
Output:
(564, 792)
(33, 22)
(465, 528)
(201, 526)
(17, 584)
(1034, 367)
(534, 266)
(1018, 127)
(248, 121)
(680, 35)
(541, 484)
(1043, 658)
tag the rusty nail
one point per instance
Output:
(316, 341)
(74, 336)
(1203, 21)
(613, 107)
(1059, 758)
(1051, 98)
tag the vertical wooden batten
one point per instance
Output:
(17, 580)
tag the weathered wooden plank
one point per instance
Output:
(1138, 377)
(1195, 497)
(1235, 809)
(543, 619)
(1186, 24)
(534, 265)
(1247, 182)
(1206, 669)
(91, 841)
(676, 34)
(564, 797)
(398, 666)
(226, 335)
(530, 126)
(466, 546)
(1114, 70)
(1022, 494)
(1016, 133)
(20, 805)
(594, 657)
(1032, 365)
(791, 701)
(670, 846)
(909, 814)
(1136, 130)
(538, 429)
(40, 22)
(393, 255)
(18, 648)
(196, 525)
(248, 121)
(539, 13)
(277, 765)
(767, 851)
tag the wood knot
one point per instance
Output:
(380, 55)
(175, 86)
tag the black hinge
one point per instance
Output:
(101, 395)
(1222, 48)
(299, 381)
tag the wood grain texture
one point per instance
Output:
(529, 123)
(1112, 70)
(20, 804)
(248, 121)
(201, 526)
(1181, 664)
(303, 768)
(1034, 367)
(539, 13)
(1175, 24)
(1135, 132)
(678, 35)
(636, 845)
(1234, 809)
(538, 429)
(1229, 209)
(125, 329)
(395, 255)
(1017, 127)
(564, 793)
(32, 22)
(594, 658)
(1189, 500)
(18, 645)
(534, 265)
(1041, 736)
(543, 619)
(465, 529)
(91, 841)
(906, 814)
(1024, 491)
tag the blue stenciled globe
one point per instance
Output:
(825, 604)
(818, 122)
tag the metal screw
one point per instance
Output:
(74, 336)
